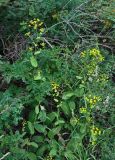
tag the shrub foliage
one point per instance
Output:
(56, 99)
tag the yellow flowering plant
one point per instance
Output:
(56, 80)
(34, 32)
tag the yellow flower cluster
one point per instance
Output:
(95, 132)
(30, 49)
(49, 158)
(83, 54)
(92, 100)
(55, 87)
(96, 53)
(91, 67)
(27, 34)
(35, 30)
(89, 119)
(103, 78)
(83, 110)
(36, 23)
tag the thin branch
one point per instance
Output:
(4, 156)
(47, 42)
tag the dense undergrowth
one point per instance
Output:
(57, 80)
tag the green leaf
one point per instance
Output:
(33, 61)
(59, 122)
(37, 52)
(83, 128)
(32, 116)
(73, 121)
(42, 149)
(42, 116)
(37, 109)
(79, 77)
(71, 105)
(52, 116)
(31, 127)
(32, 156)
(79, 92)
(67, 95)
(54, 132)
(69, 155)
(38, 76)
(65, 107)
(53, 152)
(38, 139)
(40, 128)
(33, 144)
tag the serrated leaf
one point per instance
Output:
(33, 61)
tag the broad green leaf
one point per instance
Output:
(71, 105)
(79, 92)
(31, 127)
(42, 149)
(52, 116)
(59, 122)
(37, 109)
(40, 128)
(65, 107)
(79, 77)
(83, 128)
(32, 156)
(33, 144)
(38, 139)
(38, 76)
(67, 95)
(42, 116)
(53, 152)
(32, 116)
(33, 61)
(37, 52)
(54, 132)
(69, 155)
